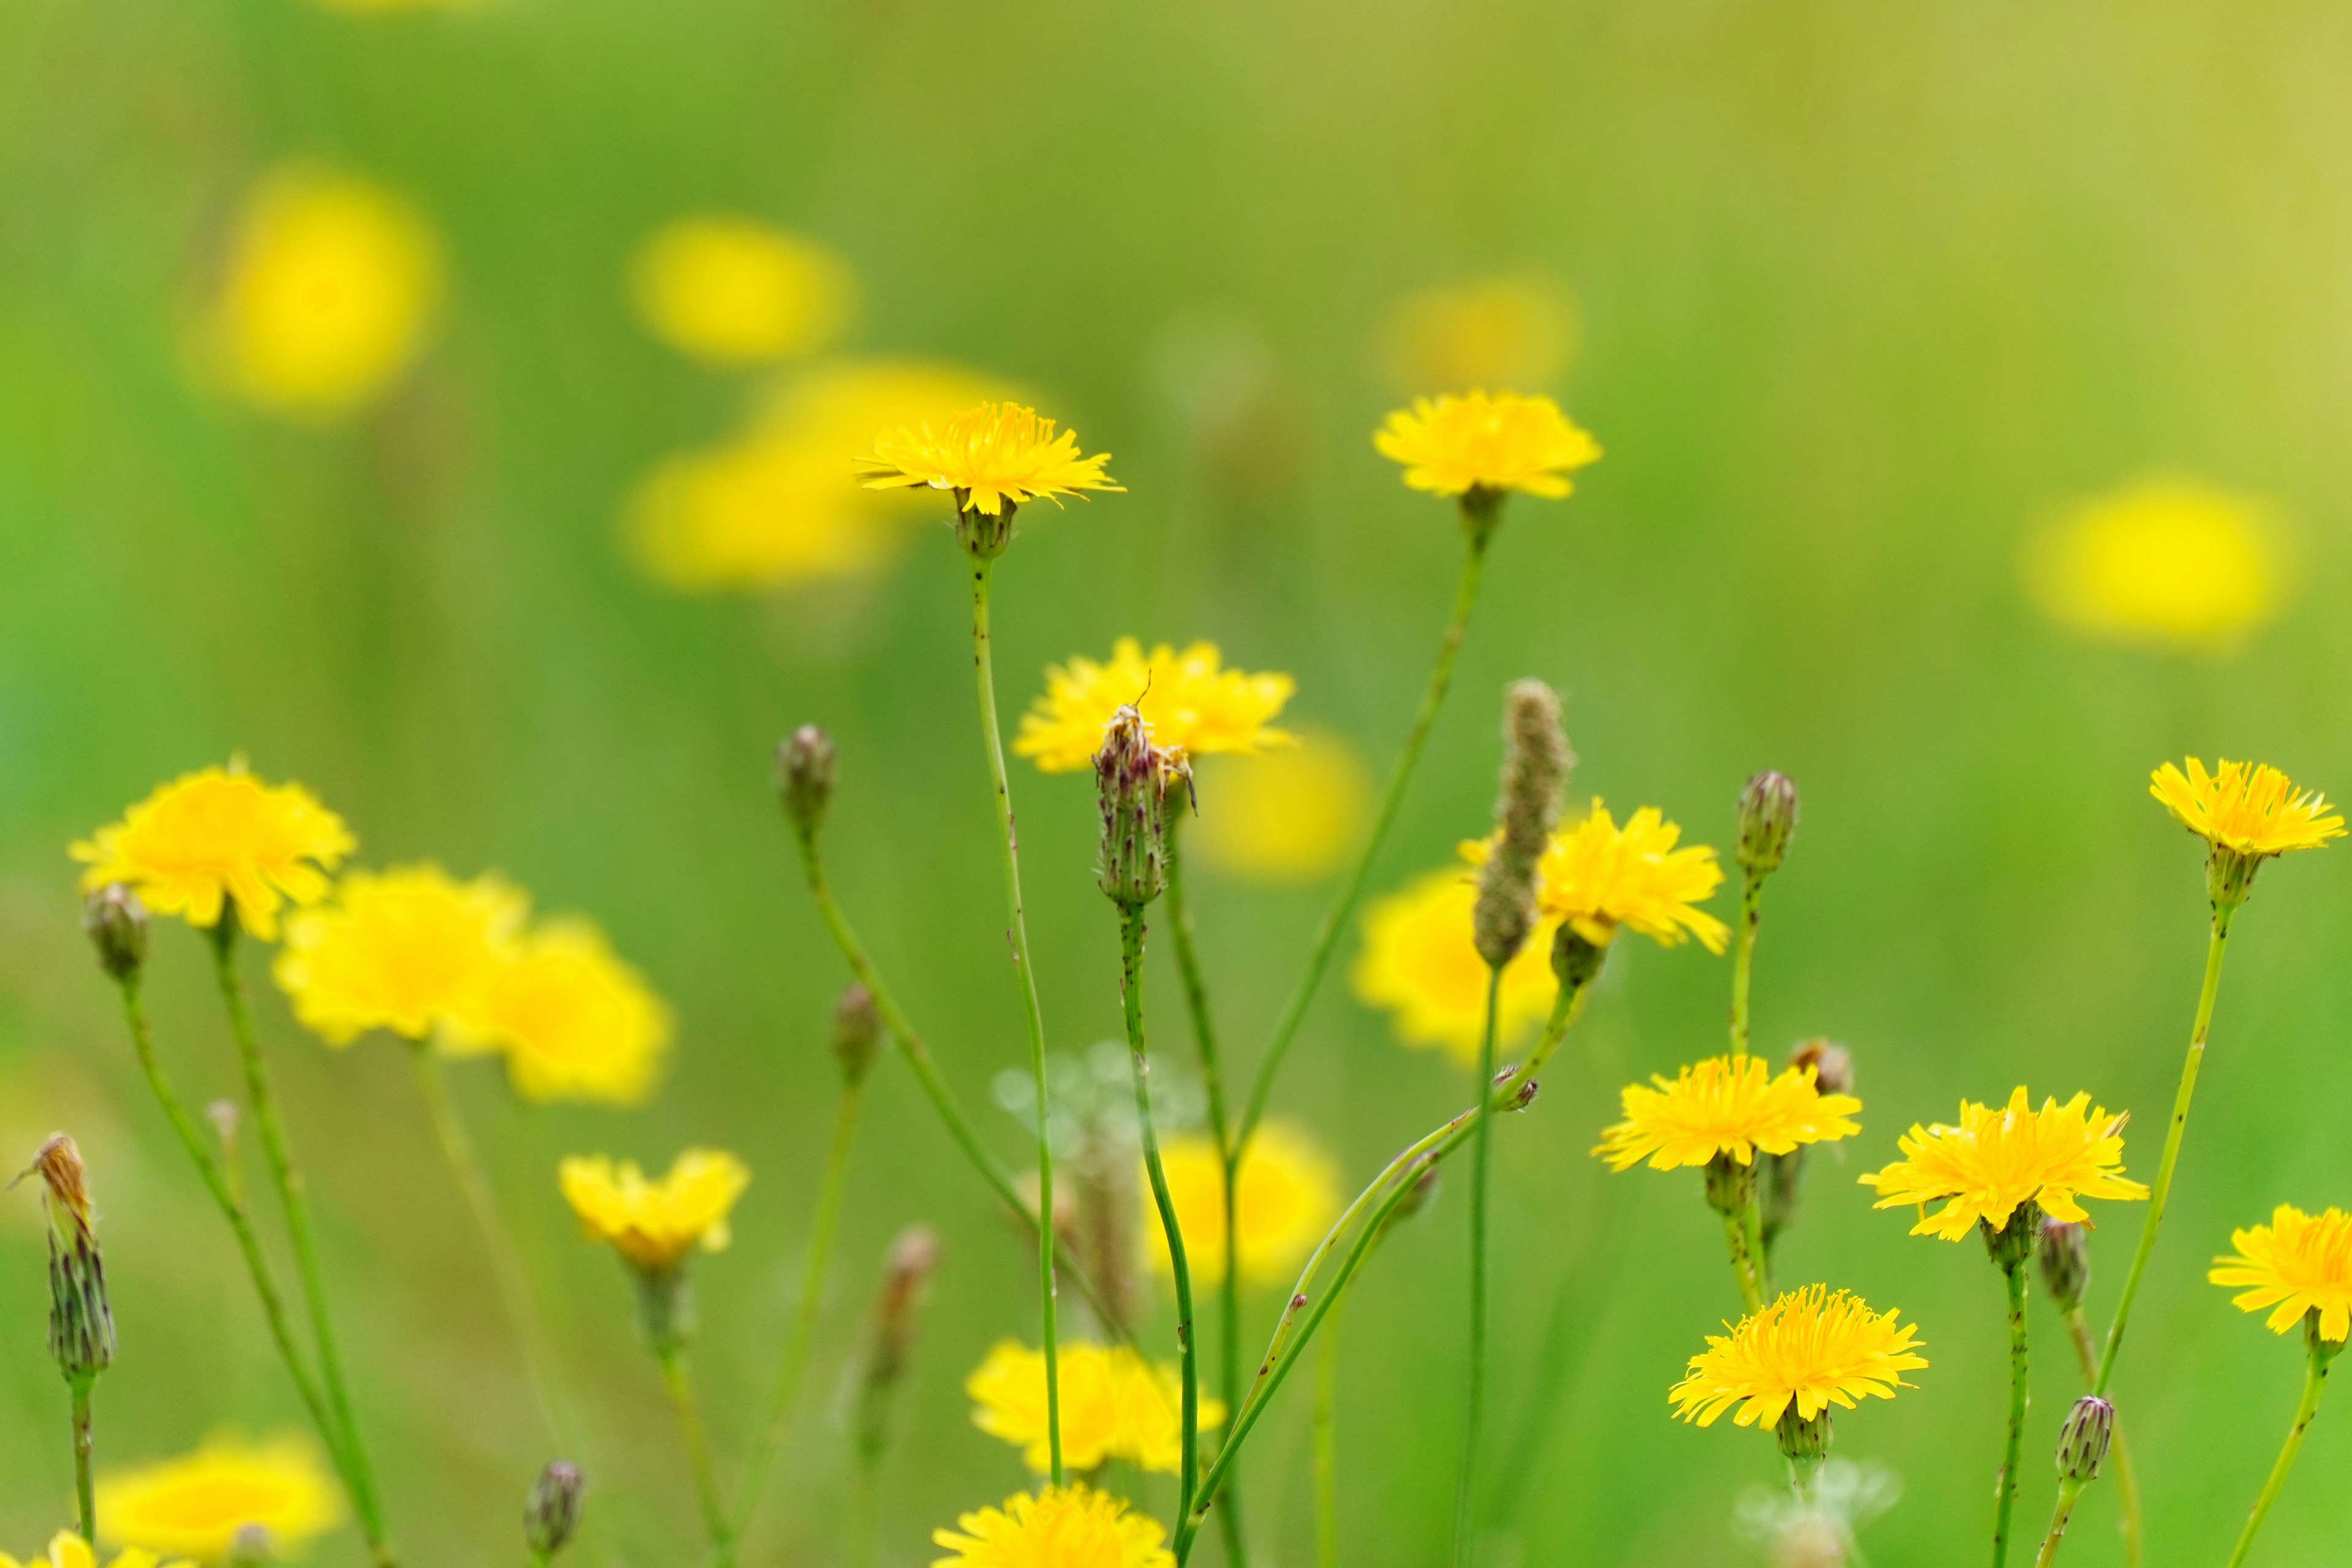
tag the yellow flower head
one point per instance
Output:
(1597, 877)
(1285, 1199)
(1995, 1160)
(2250, 809)
(1498, 331)
(1191, 704)
(405, 950)
(992, 457)
(2165, 561)
(734, 290)
(2298, 1264)
(1114, 1406)
(330, 286)
(655, 1225)
(1421, 962)
(194, 1506)
(1287, 816)
(68, 1550)
(1060, 1527)
(574, 1021)
(1734, 1106)
(1478, 442)
(1810, 1349)
(216, 837)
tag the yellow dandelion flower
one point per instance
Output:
(1060, 1527)
(68, 1550)
(1191, 703)
(734, 290)
(1115, 1405)
(1810, 1349)
(331, 284)
(572, 1020)
(1478, 442)
(655, 1225)
(194, 1506)
(2296, 1264)
(1287, 1197)
(1597, 877)
(992, 457)
(217, 837)
(1287, 815)
(1996, 1160)
(2250, 809)
(1494, 332)
(1421, 962)
(1734, 1106)
(2168, 560)
(404, 950)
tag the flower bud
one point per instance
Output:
(2083, 1444)
(804, 777)
(82, 1321)
(914, 1257)
(552, 1515)
(856, 1033)
(1535, 762)
(1133, 869)
(117, 923)
(2065, 1255)
(1768, 821)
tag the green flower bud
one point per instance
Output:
(856, 1033)
(117, 923)
(804, 777)
(1804, 1441)
(1729, 1185)
(1768, 821)
(2012, 1244)
(552, 1515)
(2083, 1444)
(2065, 1256)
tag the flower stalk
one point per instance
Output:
(2318, 1353)
(2012, 1247)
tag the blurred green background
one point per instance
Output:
(1866, 291)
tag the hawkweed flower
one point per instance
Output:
(656, 1226)
(1725, 1109)
(1285, 815)
(405, 950)
(68, 1550)
(2299, 1266)
(196, 1505)
(1490, 331)
(1480, 446)
(1188, 703)
(1284, 1197)
(1535, 761)
(1059, 1527)
(733, 291)
(2247, 813)
(1421, 962)
(1804, 1353)
(1996, 1161)
(573, 1021)
(992, 459)
(1599, 877)
(2168, 562)
(1115, 1405)
(220, 839)
(552, 1516)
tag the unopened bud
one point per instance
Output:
(81, 1319)
(552, 1515)
(1132, 790)
(856, 1033)
(2065, 1255)
(2083, 1446)
(1832, 1063)
(117, 923)
(1535, 763)
(907, 1273)
(804, 777)
(1768, 821)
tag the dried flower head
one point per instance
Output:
(1730, 1107)
(1456, 445)
(1535, 762)
(1188, 700)
(81, 1318)
(655, 1225)
(1809, 1349)
(195, 1506)
(1060, 1527)
(2298, 1264)
(1995, 1161)
(220, 837)
(995, 455)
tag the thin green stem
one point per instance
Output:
(865, 1545)
(1130, 949)
(1326, 1445)
(1481, 1153)
(2126, 1474)
(84, 1495)
(2013, 1276)
(2314, 1384)
(697, 1439)
(2069, 1491)
(1743, 960)
(1744, 1264)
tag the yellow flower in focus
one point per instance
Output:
(1060, 1527)
(992, 457)
(1996, 1160)
(572, 1020)
(2252, 810)
(1190, 703)
(216, 836)
(331, 284)
(68, 1550)
(1114, 1406)
(1285, 1199)
(1478, 442)
(734, 290)
(2298, 1264)
(1287, 815)
(1810, 1349)
(1734, 1106)
(2167, 562)
(1420, 962)
(655, 1225)
(194, 1506)
(1497, 332)
(404, 950)
(1597, 877)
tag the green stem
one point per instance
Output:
(83, 1493)
(2314, 1384)
(1130, 948)
(2069, 1490)
(1482, 1132)
(864, 1512)
(2014, 1277)
(1743, 960)
(984, 673)
(2126, 1475)
(1327, 1446)
(1743, 1258)
(698, 1450)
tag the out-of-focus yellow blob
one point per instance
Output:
(385, 7)
(736, 291)
(1288, 815)
(1494, 331)
(2167, 562)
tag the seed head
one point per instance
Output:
(552, 1515)
(1535, 763)
(2065, 1256)
(804, 777)
(1768, 821)
(1130, 784)
(2083, 1444)
(856, 1033)
(117, 923)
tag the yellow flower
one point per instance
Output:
(734, 290)
(68, 1550)
(1597, 877)
(1285, 1201)
(220, 835)
(330, 286)
(2250, 809)
(655, 1225)
(1724, 1105)
(194, 1506)
(1478, 442)
(2167, 560)
(1060, 1527)
(572, 1020)
(1496, 331)
(1287, 815)
(2297, 1264)
(1810, 1349)
(1114, 1406)
(994, 455)
(1420, 962)
(404, 950)
(1995, 1160)
(1191, 704)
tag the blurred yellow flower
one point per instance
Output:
(1419, 962)
(220, 836)
(1494, 331)
(1061, 1527)
(1190, 702)
(1285, 1199)
(2297, 1265)
(2252, 810)
(993, 455)
(655, 1225)
(1285, 815)
(68, 1550)
(405, 950)
(2168, 560)
(733, 290)
(572, 1020)
(1597, 877)
(331, 284)
(1724, 1105)
(1114, 1406)
(1477, 442)
(194, 1506)
(1810, 1349)
(1996, 1160)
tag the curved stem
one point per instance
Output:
(1326, 1445)
(1482, 1134)
(85, 1495)
(681, 1389)
(2014, 1278)
(2126, 1474)
(2314, 1384)
(1130, 947)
